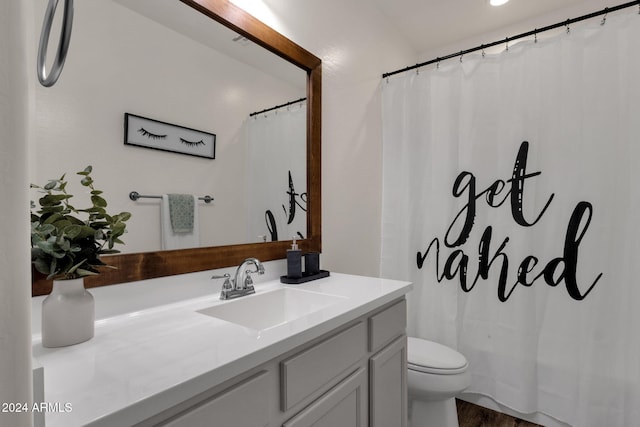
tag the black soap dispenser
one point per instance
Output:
(294, 261)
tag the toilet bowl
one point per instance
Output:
(436, 375)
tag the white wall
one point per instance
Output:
(120, 61)
(356, 45)
(15, 291)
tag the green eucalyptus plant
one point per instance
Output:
(63, 244)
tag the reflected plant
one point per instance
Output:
(66, 242)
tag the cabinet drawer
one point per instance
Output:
(387, 325)
(314, 368)
(245, 404)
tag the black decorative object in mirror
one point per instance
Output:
(296, 200)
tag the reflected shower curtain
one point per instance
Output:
(511, 199)
(277, 183)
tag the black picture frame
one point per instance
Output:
(158, 135)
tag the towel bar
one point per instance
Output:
(134, 195)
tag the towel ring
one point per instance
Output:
(63, 45)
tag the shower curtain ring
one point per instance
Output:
(535, 35)
(604, 18)
(567, 25)
(506, 40)
(482, 48)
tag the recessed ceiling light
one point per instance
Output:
(497, 2)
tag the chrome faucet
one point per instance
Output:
(242, 283)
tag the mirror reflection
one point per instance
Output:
(162, 60)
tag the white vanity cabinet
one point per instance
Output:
(353, 376)
(331, 352)
(375, 393)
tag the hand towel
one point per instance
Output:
(186, 233)
(181, 208)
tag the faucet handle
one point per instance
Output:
(248, 283)
(227, 287)
(227, 281)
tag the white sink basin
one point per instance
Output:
(273, 308)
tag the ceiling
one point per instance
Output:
(430, 24)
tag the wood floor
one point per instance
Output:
(470, 415)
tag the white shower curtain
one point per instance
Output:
(511, 199)
(277, 183)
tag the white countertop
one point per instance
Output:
(143, 362)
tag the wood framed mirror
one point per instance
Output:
(148, 265)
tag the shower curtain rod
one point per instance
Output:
(519, 36)
(279, 106)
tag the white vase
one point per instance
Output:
(68, 314)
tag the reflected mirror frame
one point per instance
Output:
(148, 265)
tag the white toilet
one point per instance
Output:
(436, 375)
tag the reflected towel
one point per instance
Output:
(186, 234)
(181, 208)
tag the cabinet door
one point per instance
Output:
(345, 405)
(245, 404)
(388, 385)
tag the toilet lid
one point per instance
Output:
(431, 357)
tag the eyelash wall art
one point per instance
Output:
(150, 133)
(192, 143)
